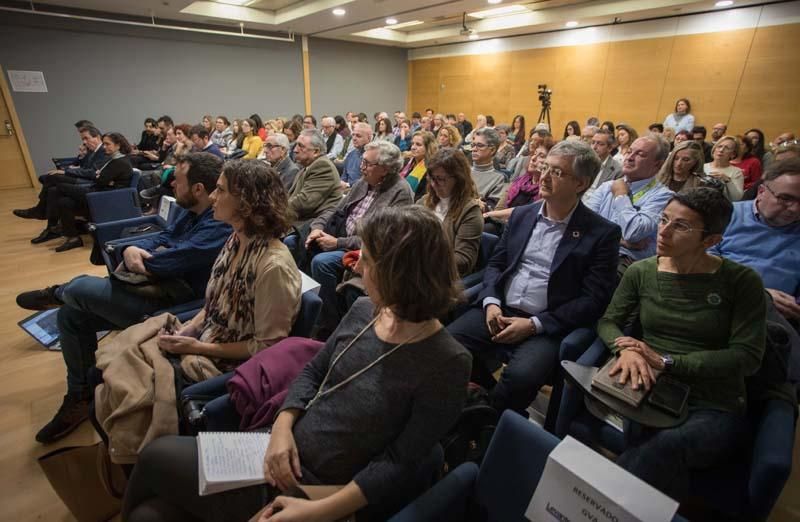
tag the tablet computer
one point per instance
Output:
(43, 327)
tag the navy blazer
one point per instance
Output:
(583, 275)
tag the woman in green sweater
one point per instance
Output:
(703, 323)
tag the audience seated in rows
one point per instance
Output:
(635, 200)
(178, 260)
(748, 162)
(625, 136)
(319, 437)
(552, 271)
(704, 324)
(683, 169)
(681, 119)
(201, 141)
(334, 231)
(334, 143)
(222, 133)
(252, 142)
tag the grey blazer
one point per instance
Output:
(612, 170)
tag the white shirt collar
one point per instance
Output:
(560, 222)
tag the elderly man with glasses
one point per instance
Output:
(277, 150)
(334, 232)
(553, 271)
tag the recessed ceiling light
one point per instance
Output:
(474, 36)
(234, 2)
(495, 1)
(339, 11)
(391, 21)
(724, 3)
(572, 23)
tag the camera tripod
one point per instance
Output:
(544, 115)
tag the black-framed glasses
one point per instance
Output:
(365, 163)
(270, 146)
(785, 199)
(439, 180)
(678, 226)
(479, 146)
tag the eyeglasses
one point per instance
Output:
(270, 146)
(555, 172)
(678, 226)
(439, 180)
(784, 199)
(479, 146)
(365, 163)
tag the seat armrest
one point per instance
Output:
(111, 230)
(447, 500)
(773, 444)
(113, 205)
(183, 311)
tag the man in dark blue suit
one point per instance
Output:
(553, 270)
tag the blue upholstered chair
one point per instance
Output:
(117, 204)
(747, 487)
(488, 242)
(500, 490)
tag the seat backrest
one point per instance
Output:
(113, 205)
(135, 177)
(488, 242)
(310, 306)
(513, 464)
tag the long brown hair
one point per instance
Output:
(263, 200)
(456, 165)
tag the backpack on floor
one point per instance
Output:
(469, 438)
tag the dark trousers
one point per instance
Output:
(91, 305)
(163, 488)
(49, 182)
(530, 363)
(665, 458)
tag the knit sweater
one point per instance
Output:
(489, 182)
(713, 325)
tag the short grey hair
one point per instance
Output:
(366, 126)
(280, 139)
(585, 163)
(388, 155)
(662, 145)
(491, 136)
(612, 140)
(317, 140)
(328, 120)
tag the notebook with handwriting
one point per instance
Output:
(230, 460)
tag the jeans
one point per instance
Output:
(664, 458)
(91, 305)
(220, 413)
(530, 362)
(326, 269)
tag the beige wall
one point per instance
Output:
(746, 78)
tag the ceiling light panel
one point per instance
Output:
(405, 24)
(500, 11)
(234, 2)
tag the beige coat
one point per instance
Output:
(138, 403)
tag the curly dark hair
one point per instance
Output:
(711, 204)
(263, 200)
(119, 139)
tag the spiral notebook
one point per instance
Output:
(230, 460)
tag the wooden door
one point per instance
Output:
(14, 171)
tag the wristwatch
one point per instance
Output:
(668, 361)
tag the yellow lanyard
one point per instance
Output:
(636, 197)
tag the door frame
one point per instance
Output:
(23, 143)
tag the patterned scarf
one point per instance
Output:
(415, 175)
(523, 185)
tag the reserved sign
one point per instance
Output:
(578, 484)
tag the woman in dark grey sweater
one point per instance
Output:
(366, 412)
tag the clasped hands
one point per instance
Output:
(325, 242)
(507, 330)
(636, 363)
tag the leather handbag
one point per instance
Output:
(86, 480)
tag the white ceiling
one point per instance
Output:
(365, 20)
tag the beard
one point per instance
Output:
(186, 201)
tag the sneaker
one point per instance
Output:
(29, 213)
(39, 299)
(70, 415)
(151, 193)
(69, 244)
(47, 235)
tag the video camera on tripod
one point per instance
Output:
(545, 95)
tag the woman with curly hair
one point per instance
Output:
(253, 294)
